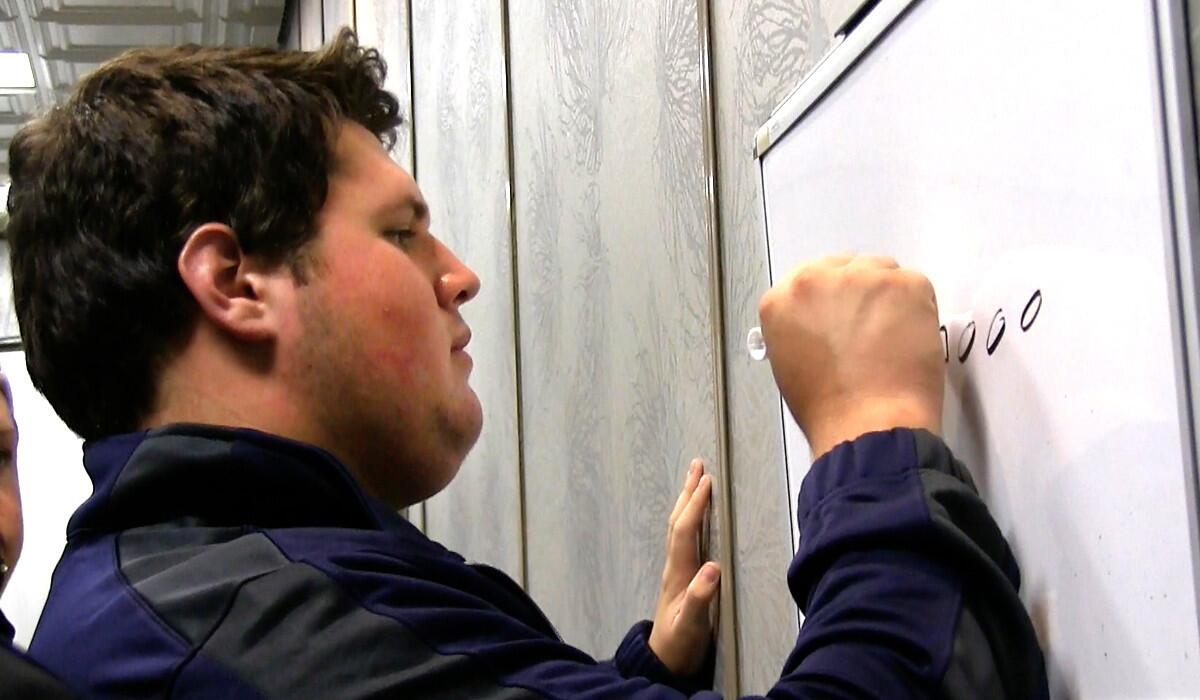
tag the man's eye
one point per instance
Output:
(398, 235)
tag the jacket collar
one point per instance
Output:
(220, 477)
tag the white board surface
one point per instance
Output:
(1004, 149)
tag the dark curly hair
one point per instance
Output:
(107, 187)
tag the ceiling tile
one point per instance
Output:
(68, 38)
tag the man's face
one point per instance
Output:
(11, 533)
(378, 337)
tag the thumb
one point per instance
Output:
(701, 592)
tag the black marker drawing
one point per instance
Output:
(1032, 308)
(967, 338)
(995, 331)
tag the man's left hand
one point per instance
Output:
(683, 629)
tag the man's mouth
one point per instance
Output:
(462, 340)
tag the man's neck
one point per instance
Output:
(211, 381)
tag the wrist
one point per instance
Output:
(870, 416)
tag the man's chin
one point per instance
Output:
(462, 428)
(473, 419)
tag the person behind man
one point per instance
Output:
(20, 677)
(232, 292)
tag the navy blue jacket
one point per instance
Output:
(212, 562)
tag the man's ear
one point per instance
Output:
(229, 287)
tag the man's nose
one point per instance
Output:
(458, 284)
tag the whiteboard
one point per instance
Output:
(1028, 156)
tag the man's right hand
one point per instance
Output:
(854, 345)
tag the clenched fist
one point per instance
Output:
(854, 345)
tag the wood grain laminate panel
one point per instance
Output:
(337, 14)
(312, 21)
(616, 354)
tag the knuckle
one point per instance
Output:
(918, 281)
(862, 278)
(803, 277)
(766, 304)
(919, 286)
(798, 287)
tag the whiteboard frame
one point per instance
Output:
(829, 71)
(1182, 180)
(1183, 262)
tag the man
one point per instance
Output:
(227, 287)
(19, 676)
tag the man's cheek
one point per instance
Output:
(404, 365)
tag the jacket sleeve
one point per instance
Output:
(635, 659)
(908, 587)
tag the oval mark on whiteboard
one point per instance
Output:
(966, 341)
(995, 331)
(1032, 308)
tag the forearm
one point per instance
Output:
(908, 587)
